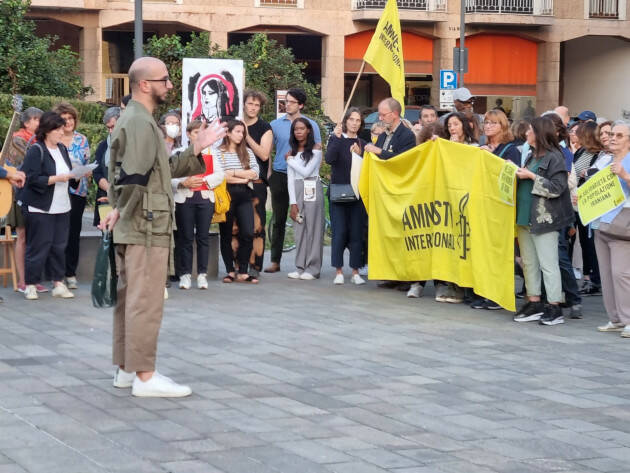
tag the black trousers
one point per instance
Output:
(260, 220)
(347, 220)
(241, 211)
(46, 240)
(280, 206)
(77, 205)
(193, 222)
(589, 256)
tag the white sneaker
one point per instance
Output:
(441, 293)
(294, 275)
(184, 281)
(307, 277)
(356, 279)
(165, 293)
(202, 281)
(30, 293)
(625, 333)
(338, 279)
(60, 290)
(363, 271)
(72, 282)
(159, 386)
(123, 379)
(415, 290)
(611, 327)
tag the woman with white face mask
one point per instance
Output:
(170, 123)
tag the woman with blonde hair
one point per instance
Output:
(496, 128)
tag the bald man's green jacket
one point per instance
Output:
(140, 173)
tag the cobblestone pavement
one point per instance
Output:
(307, 377)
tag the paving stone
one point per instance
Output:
(361, 380)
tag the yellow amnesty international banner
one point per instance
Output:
(437, 212)
(385, 53)
(599, 195)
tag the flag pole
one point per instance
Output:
(354, 87)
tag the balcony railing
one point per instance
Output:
(279, 3)
(425, 5)
(603, 9)
(512, 7)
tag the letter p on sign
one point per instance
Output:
(448, 79)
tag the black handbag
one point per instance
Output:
(342, 193)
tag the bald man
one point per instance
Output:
(397, 138)
(563, 112)
(140, 173)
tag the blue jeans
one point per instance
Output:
(569, 284)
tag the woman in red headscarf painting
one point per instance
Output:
(213, 96)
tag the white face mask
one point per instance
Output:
(172, 130)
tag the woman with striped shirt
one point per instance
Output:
(240, 168)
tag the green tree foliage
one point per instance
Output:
(28, 63)
(269, 66)
(169, 48)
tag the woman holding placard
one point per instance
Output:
(612, 239)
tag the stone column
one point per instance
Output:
(220, 38)
(548, 77)
(91, 53)
(442, 59)
(333, 76)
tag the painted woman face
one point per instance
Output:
(209, 103)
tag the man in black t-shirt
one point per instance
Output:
(260, 141)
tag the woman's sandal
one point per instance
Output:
(228, 279)
(249, 279)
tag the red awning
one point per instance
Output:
(417, 52)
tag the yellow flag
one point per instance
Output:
(437, 212)
(385, 52)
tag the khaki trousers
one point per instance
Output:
(140, 304)
(614, 270)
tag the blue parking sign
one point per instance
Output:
(448, 79)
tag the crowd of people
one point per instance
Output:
(555, 155)
(241, 159)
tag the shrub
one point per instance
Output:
(89, 112)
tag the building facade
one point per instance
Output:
(524, 55)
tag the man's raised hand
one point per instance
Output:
(208, 135)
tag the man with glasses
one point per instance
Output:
(396, 138)
(140, 194)
(281, 127)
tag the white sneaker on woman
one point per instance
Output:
(611, 327)
(184, 281)
(60, 290)
(72, 282)
(294, 275)
(356, 279)
(415, 290)
(30, 292)
(307, 276)
(159, 386)
(338, 279)
(202, 281)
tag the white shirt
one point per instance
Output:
(298, 169)
(180, 194)
(61, 199)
